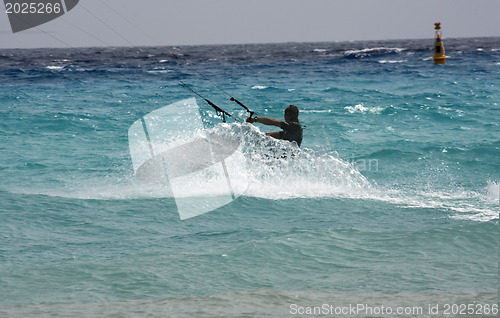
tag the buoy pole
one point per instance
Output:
(439, 55)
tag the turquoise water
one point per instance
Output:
(394, 202)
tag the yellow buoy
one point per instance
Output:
(439, 56)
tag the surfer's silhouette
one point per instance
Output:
(291, 128)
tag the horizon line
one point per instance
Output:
(248, 43)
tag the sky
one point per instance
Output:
(192, 22)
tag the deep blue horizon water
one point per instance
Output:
(394, 202)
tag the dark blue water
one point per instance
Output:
(395, 202)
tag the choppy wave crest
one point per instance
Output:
(279, 170)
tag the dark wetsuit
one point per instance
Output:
(291, 131)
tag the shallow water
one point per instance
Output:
(394, 200)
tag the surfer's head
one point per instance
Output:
(292, 114)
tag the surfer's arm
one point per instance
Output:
(269, 122)
(265, 121)
(276, 134)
